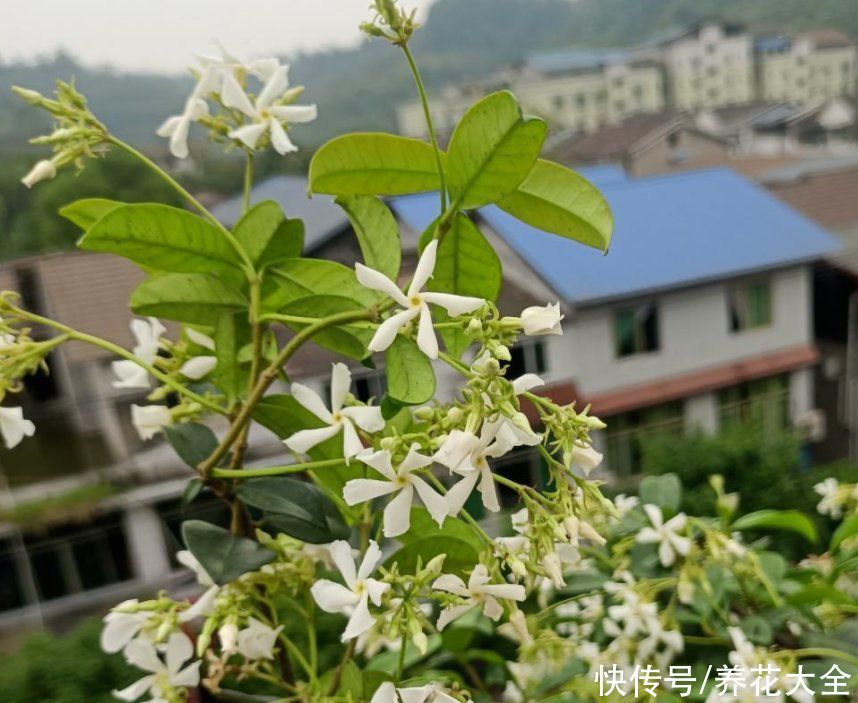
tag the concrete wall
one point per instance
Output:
(694, 334)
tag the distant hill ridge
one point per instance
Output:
(463, 39)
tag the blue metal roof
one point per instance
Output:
(565, 60)
(765, 45)
(670, 231)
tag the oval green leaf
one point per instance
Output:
(348, 341)
(492, 150)
(410, 377)
(196, 298)
(86, 212)
(376, 231)
(557, 200)
(267, 236)
(163, 238)
(224, 556)
(373, 164)
(790, 520)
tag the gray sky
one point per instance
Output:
(162, 35)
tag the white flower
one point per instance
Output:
(414, 303)
(266, 115)
(585, 458)
(176, 128)
(204, 605)
(257, 640)
(13, 426)
(198, 367)
(148, 420)
(467, 455)
(164, 675)
(120, 628)
(540, 320)
(43, 170)
(147, 333)
(228, 636)
(477, 592)
(624, 503)
(403, 481)
(830, 504)
(337, 418)
(665, 534)
(430, 693)
(353, 598)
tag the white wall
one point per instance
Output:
(694, 334)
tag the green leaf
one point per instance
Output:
(85, 213)
(348, 341)
(192, 441)
(376, 231)
(300, 278)
(424, 540)
(557, 200)
(847, 529)
(296, 508)
(267, 236)
(492, 150)
(193, 488)
(232, 333)
(388, 661)
(422, 525)
(224, 556)
(790, 520)
(196, 298)
(410, 377)
(462, 632)
(373, 164)
(665, 491)
(163, 238)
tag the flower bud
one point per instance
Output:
(435, 564)
(455, 414)
(475, 326)
(425, 413)
(32, 97)
(388, 443)
(228, 636)
(43, 170)
(541, 320)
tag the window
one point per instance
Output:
(581, 99)
(620, 105)
(629, 433)
(528, 357)
(636, 330)
(764, 401)
(558, 102)
(369, 385)
(749, 306)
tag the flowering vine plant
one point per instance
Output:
(357, 572)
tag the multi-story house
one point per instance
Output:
(806, 68)
(707, 65)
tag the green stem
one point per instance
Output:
(823, 652)
(248, 181)
(400, 664)
(275, 470)
(412, 64)
(267, 377)
(125, 354)
(296, 653)
(299, 320)
(183, 192)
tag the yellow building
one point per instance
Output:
(807, 68)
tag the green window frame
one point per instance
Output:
(749, 305)
(636, 330)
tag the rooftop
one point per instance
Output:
(568, 60)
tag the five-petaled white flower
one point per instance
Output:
(414, 303)
(478, 591)
(177, 127)
(353, 598)
(265, 113)
(338, 418)
(468, 455)
(540, 320)
(13, 426)
(403, 481)
(830, 504)
(257, 640)
(164, 675)
(387, 692)
(665, 534)
(121, 627)
(147, 333)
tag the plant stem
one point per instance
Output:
(183, 192)
(267, 377)
(275, 470)
(248, 181)
(412, 64)
(125, 354)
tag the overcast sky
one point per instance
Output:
(162, 35)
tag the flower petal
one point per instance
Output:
(370, 560)
(189, 676)
(249, 134)
(332, 597)
(397, 513)
(360, 490)
(142, 654)
(425, 268)
(135, 690)
(380, 461)
(233, 95)
(341, 553)
(360, 621)
(452, 584)
(311, 401)
(454, 304)
(341, 382)
(488, 490)
(295, 113)
(304, 440)
(526, 382)
(413, 460)
(352, 446)
(367, 417)
(375, 280)
(458, 495)
(387, 330)
(450, 613)
(509, 591)
(426, 339)
(434, 501)
(198, 367)
(129, 374)
(280, 139)
(179, 650)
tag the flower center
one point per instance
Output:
(360, 587)
(337, 417)
(415, 301)
(401, 481)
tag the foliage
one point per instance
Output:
(63, 669)
(74, 504)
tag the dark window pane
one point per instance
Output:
(11, 596)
